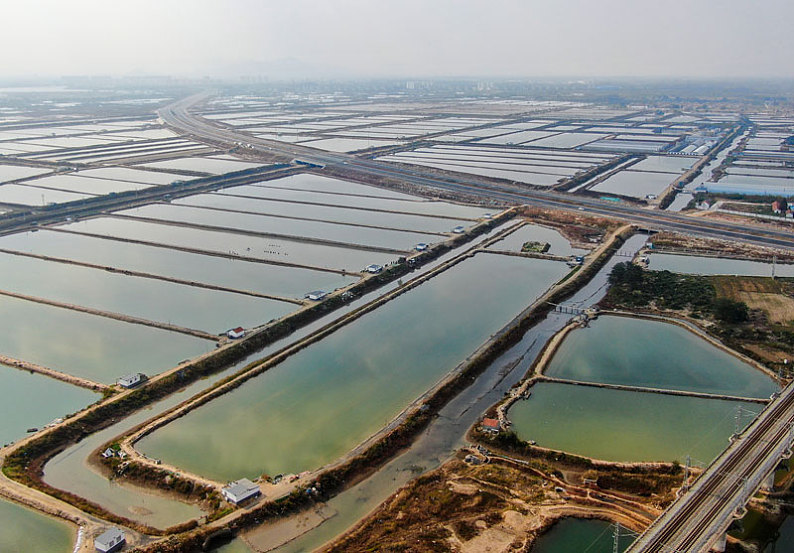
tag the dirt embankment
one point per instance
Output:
(500, 506)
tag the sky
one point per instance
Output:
(398, 38)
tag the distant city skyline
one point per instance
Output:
(410, 38)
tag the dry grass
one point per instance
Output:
(773, 297)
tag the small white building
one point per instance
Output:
(236, 333)
(317, 295)
(374, 269)
(131, 380)
(239, 491)
(420, 247)
(109, 452)
(458, 230)
(111, 540)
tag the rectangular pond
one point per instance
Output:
(32, 400)
(316, 183)
(222, 271)
(388, 204)
(623, 426)
(234, 245)
(417, 223)
(653, 354)
(700, 265)
(635, 184)
(89, 346)
(213, 311)
(322, 401)
(559, 245)
(315, 230)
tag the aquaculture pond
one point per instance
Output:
(279, 226)
(316, 183)
(654, 354)
(53, 399)
(618, 425)
(576, 535)
(337, 214)
(390, 204)
(559, 245)
(698, 265)
(301, 414)
(213, 311)
(235, 245)
(23, 529)
(233, 273)
(90, 346)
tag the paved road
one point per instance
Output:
(177, 116)
(697, 518)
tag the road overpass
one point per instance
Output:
(698, 520)
(177, 116)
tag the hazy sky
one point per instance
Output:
(742, 38)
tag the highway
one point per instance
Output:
(699, 518)
(177, 116)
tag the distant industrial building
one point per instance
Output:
(317, 295)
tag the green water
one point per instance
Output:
(692, 264)
(23, 530)
(324, 400)
(653, 354)
(53, 399)
(346, 234)
(559, 245)
(338, 214)
(221, 271)
(214, 311)
(268, 249)
(89, 346)
(574, 535)
(616, 425)
(785, 540)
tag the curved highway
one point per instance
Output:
(177, 116)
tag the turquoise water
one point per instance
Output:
(322, 401)
(53, 399)
(222, 271)
(89, 346)
(654, 354)
(616, 425)
(24, 530)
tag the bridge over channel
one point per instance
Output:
(698, 520)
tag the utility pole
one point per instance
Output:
(616, 539)
(687, 467)
(774, 260)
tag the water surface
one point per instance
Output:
(322, 401)
(654, 354)
(24, 530)
(616, 425)
(697, 265)
(53, 399)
